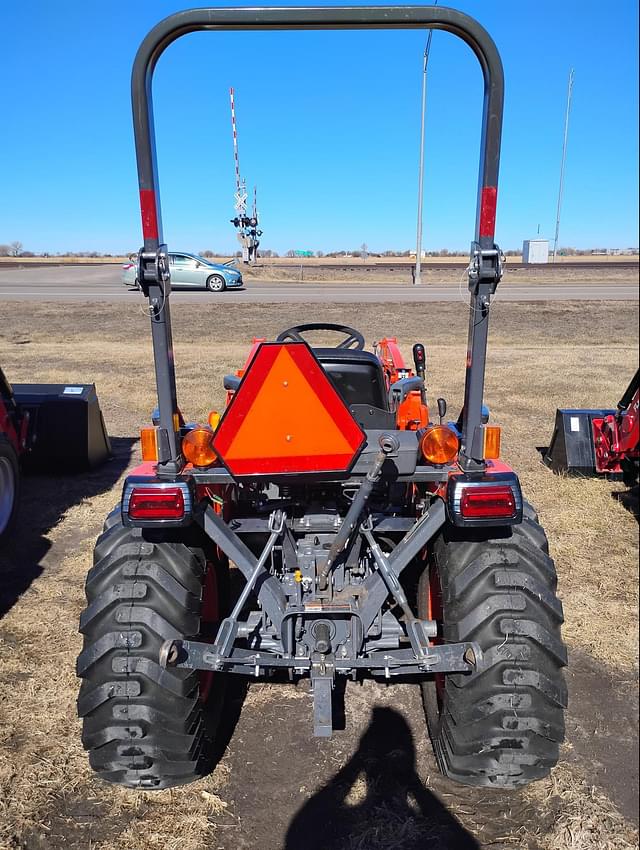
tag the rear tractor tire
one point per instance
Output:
(145, 726)
(501, 726)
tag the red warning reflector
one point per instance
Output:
(488, 201)
(149, 213)
(287, 418)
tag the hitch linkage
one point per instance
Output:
(219, 652)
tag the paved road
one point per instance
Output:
(102, 283)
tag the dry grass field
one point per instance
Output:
(376, 780)
(436, 273)
(312, 261)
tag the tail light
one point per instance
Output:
(149, 502)
(489, 499)
(153, 503)
(493, 502)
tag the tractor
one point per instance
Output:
(374, 537)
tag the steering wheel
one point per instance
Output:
(354, 338)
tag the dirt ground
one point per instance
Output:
(374, 785)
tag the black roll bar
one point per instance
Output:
(153, 272)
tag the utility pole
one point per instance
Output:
(417, 279)
(564, 155)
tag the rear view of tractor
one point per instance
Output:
(375, 537)
(46, 427)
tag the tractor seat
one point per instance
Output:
(357, 375)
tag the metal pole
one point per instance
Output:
(418, 275)
(564, 155)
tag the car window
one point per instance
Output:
(183, 262)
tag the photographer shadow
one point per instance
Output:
(377, 800)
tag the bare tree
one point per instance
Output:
(15, 249)
(290, 253)
(5, 250)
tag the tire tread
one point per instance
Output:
(502, 725)
(144, 726)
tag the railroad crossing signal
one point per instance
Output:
(245, 225)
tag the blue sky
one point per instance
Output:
(328, 125)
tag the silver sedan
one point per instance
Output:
(189, 271)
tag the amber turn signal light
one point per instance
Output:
(439, 444)
(149, 443)
(197, 447)
(491, 441)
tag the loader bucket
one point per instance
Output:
(572, 450)
(66, 428)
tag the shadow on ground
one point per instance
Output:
(377, 800)
(45, 499)
(629, 499)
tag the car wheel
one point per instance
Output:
(216, 283)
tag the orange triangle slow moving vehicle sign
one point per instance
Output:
(286, 418)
